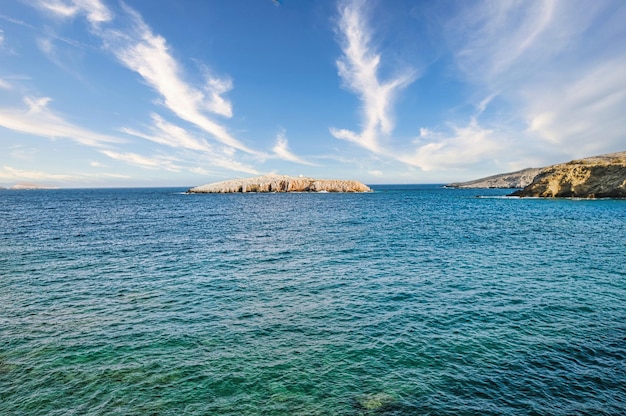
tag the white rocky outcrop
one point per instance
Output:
(281, 183)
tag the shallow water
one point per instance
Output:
(409, 300)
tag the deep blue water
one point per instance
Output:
(413, 300)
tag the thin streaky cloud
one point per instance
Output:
(358, 68)
(37, 119)
(157, 162)
(489, 38)
(577, 114)
(148, 54)
(168, 134)
(94, 10)
(8, 173)
(466, 146)
(281, 150)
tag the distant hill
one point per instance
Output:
(518, 179)
(28, 186)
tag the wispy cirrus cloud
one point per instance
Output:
(583, 115)
(465, 146)
(8, 173)
(489, 38)
(154, 162)
(140, 50)
(168, 134)
(94, 10)
(281, 150)
(132, 42)
(171, 135)
(558, 65)
(39, 120)
(359, 70)
(148, 54)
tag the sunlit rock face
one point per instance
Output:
(281, 183)
(594, 177)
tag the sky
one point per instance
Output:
(108, 93)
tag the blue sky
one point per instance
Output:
(180, 93)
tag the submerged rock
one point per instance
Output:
(594, 177)
(375, 401)
(281, 183)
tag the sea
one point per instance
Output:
(410, 300)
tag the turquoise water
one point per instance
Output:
(410, 300)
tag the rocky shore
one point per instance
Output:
(594, 177)
(281, 183)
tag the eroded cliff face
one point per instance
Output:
(594, 177)
(281, 183)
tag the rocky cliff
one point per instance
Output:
(594, 177)
(281, 183)
(518, 179)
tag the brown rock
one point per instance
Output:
(595, 177)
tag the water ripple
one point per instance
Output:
(404, 301)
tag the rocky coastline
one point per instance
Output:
(593, 177)
(601, 176)
(281, 183)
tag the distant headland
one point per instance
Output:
(511, 180)
(28, 186)
(281, 183)
(601, 176)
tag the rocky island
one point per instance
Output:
(593, 177)
(281, 183)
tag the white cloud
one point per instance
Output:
(490, 37)
(148, 54)
(157, 162)
(467, 146)
(557, 65)
(94, 10)
(281, 149)
(586, 113)
(39, 120)
(4, 85)
(8, 173)
(135, 46)
(556, 71)
(168, 134)
(358, 68)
